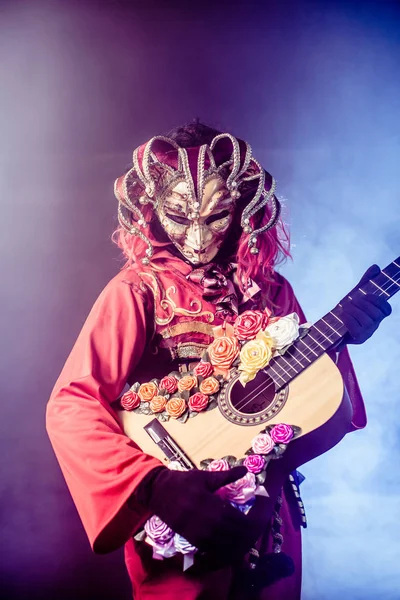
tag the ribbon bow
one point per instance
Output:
(218, 288)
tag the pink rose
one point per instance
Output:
(249, 323)
(130, 400)
(219, 464)
(262, 443)
(198, 402)
(254, 463)
(158, 531)
(203, 369)
(281, 434)
(169, 383)
(242, 490)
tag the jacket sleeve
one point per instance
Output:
(286, 303)
(101, 465)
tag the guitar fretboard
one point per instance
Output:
(329, 330)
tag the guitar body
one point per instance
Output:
(302, 388)
(315, 401)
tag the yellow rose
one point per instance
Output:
(254, 355)
(266, 338)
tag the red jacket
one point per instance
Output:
(103, 467)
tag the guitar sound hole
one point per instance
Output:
(255, 397)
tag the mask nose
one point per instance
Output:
(199, 237)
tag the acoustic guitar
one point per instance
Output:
(302, 387)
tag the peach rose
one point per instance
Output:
(187, 383)
(223, 351)
(147, 391)
(175, 407)
(209, 386)
(157, 404)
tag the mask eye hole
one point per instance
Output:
(178, 219)
(217, 217)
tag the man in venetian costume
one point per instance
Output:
(201, 232)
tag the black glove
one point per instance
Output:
(363, 313)
(186, 502)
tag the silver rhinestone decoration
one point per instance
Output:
(247, 160)
(142, 175)
(235, 157)
(200, 171)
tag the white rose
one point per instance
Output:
(284, 331)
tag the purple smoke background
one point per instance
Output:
(315, 88)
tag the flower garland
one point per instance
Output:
(268, 445)
(176, 396)
(247, 347)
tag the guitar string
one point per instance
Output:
(252, 395)
(282, 357)
(392, 283)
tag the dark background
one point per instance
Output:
(314, 87)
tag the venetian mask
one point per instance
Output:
(196, 227)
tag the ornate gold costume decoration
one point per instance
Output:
(188, 350)
(188, 327)
(168, 304)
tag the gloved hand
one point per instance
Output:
(186, 501)
(362, 314)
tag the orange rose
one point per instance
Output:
(157, 404)
(209, 386)
(147, 391)
(175, 407)
(187, 383)
(223, 351)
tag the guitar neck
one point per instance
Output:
(329, 330)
